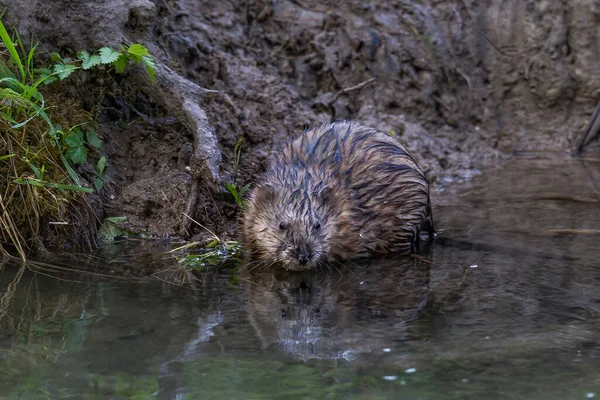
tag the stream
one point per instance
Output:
(504, 304)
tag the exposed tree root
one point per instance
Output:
(180, 97)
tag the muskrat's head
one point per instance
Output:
(290, 228)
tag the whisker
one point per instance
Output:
(259, 265)
(338, 270)
(252, 263)
(353, 263)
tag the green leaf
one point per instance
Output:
(45, 74)
(56, 58)
(36, 171)
(74, 188)
(78, 155)
(116, 220)
(84, 56)
(76, 150)
(88, 61)
(92, 138)
(137, 52)
(108, 55)
(244, 189)
(101, 165)
(64, 70)
(29, 63)
(108, 231)
(50, 125)
(5, 71)
(74, 138)
(98, 184)
(14, 55)
(26, 92)
(28, 181)
(212, 244)
(120, 64)
(50, 79)
(233, 190)
(150, 67)
(70, 170)
(6, 156)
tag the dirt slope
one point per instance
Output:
(462, 84)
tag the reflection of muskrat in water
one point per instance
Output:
(339, 191)
(322, 314)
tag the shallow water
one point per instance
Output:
(505, 304)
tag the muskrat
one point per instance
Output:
(339, 191)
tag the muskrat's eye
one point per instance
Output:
(282, 225)
(317, 225)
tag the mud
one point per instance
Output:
(463, 84)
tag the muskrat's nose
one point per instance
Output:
(304, 257)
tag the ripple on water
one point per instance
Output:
(505, 300)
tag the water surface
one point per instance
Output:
(505, 304)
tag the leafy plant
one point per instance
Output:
(213, 253)
(236, 192)
(100, 169)
(45, 145)
(136, 54)
(109, 231)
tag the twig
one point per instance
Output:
(347, 90)
(509, 51)
(350, 89)
(202, 226)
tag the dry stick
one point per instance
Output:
(347, 90)
(593, 127)
(509, 51)
(202, 226)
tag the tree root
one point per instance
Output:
(179, 97)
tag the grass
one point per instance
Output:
(237, 192)
(45, 138)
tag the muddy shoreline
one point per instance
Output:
(463, 86)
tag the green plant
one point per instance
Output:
(213, 253)
(136, 54)
(109, 230)
(46, 136)
(237, 193)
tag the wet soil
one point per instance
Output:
(463, 85)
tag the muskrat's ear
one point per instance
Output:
(264, 194)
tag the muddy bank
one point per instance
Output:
(462, 85)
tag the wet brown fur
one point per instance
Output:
(340, 191)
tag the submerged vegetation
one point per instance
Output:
(213, 253)
(46, 139)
